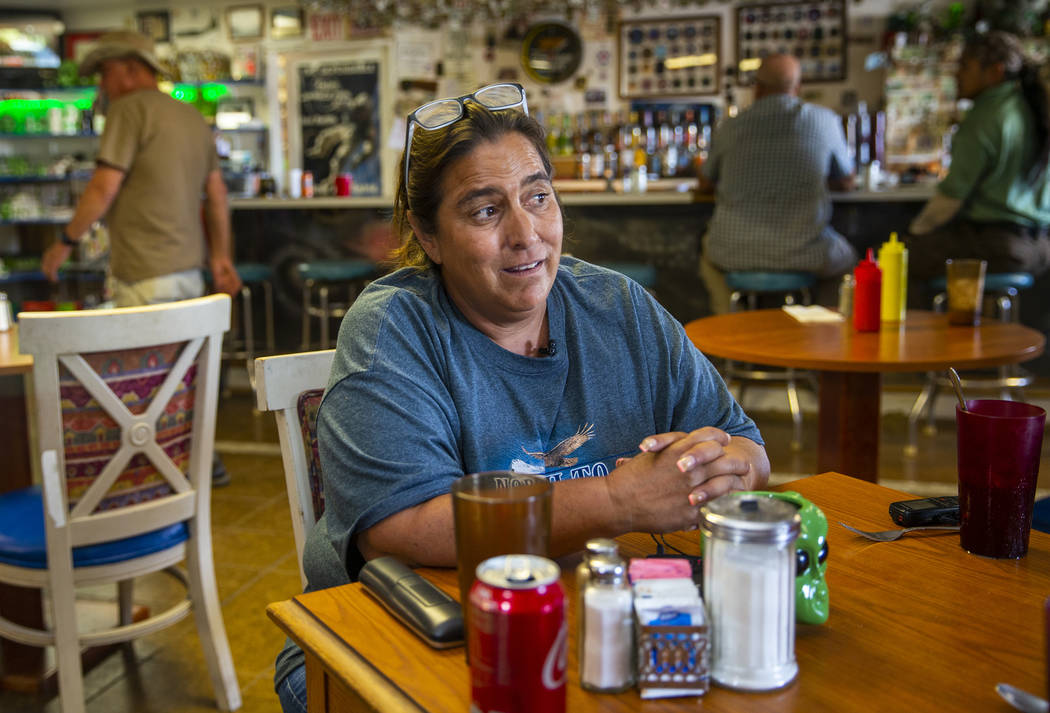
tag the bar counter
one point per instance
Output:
(660, 227)
(678, 193)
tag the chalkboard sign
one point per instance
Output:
(339, 112)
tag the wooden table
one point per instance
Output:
(917, 624)
(851, 365)
(22, 665)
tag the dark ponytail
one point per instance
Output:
(1034, 92)
(997, 47)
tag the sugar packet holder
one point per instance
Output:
(673, 639)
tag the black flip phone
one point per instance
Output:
(926, 511)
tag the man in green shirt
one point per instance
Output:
(994, 204)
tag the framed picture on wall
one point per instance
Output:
(244, 22)
(155, 24)
(286, 22)
(338, 106)
(813, 31)
(672, 56)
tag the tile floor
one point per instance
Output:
(255, 560)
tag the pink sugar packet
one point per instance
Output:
(658, 568)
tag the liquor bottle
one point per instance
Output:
(687, 158)
(863, 136)
(625, 143)
(552, 135)
(565, 139)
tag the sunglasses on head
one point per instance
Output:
(443, 112)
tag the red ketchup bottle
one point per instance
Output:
(867, 294)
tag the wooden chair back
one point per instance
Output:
(291, 385)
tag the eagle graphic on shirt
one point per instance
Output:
(557, 456)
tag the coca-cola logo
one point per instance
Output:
(556, 662)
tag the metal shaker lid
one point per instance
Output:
(606, 568)
(601, 546)
(750, 518)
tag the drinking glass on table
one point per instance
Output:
(965, 290)
(498, 513)
(998, 450)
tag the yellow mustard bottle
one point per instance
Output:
(893, 261)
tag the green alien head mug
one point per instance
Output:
(811, 591)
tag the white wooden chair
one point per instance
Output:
(125, 402)
(291, 385)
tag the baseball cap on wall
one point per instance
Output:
(118, 45)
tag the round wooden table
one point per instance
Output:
(851, 364)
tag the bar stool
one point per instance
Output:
(748, 288)
(240, 341)
(1002, 291)
(324, 275)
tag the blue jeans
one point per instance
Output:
(292, 691)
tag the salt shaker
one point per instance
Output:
(605, 615)
(749, 586)
(6, 318)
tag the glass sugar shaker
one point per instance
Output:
(749, 588)
(606, 623)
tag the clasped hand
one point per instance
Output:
(661, 488)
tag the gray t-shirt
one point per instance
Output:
(166, 152)
(419, 397)
(771, 164)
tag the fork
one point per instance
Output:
(891, 535)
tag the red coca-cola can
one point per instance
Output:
(307, 184)
(518, 636)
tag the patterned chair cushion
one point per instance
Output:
(309, 402)
(92, 437)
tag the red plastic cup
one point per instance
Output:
(999, 447)
(344, 184)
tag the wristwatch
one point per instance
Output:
(66, 240)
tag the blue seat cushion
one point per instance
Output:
(994, 281)
(335, 270)
(768, 281)
(254, 271)
(1041, 515)
(23, 544)
(644, 275)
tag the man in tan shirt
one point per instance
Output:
(155, 170)
(156, 167)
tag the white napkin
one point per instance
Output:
(812, 314)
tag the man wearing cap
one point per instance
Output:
(156, 160)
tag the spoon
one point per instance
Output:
(954, 376)
(1022, 700)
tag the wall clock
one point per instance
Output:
(551, 52)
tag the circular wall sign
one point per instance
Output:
(551, 52)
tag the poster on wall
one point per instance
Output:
(340, 130)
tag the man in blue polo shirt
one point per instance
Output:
(994, 204)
